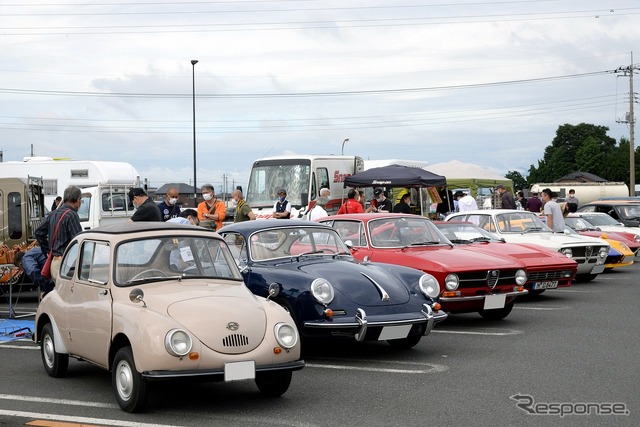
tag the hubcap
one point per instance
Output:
(124, 380)
(48, 350)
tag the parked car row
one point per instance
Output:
(162, 301)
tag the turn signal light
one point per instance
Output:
(329, 313)
(436, 306)
(518, 288)
(277, 350)
(450, 294)
(194, 355)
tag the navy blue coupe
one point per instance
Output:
(326, 291)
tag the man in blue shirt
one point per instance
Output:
(31, 262)
(169, 207)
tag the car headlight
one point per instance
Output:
(637, 238)
(286, 335)
(603, 252)
(521, 277)
(451, 282)
(567, 252)
(322, 290)
(178, 342)
(429, 286)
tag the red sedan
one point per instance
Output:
(546, 268)
(470, 281)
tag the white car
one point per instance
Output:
(606, 223)
(516, 226)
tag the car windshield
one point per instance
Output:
(598, 220)
(520, 222)
(404, 231)
(466, 233)
(171, 257)
(294, 242)
(629, 211)
(580, 224)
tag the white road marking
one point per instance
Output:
(21, 347)
(81, 420)
(560, 307)
(57, 401)
(585, 291)
(462, 332)
(429, 368)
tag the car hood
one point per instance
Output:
(362, 283)
(450, 260)
(554, 241)
(530, 256)
(236, 321)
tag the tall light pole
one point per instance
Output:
(193, 75)
(345, 140)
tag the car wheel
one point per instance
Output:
(55, 364)
(129, 386)
(405, 343)
(273, 384)
(497, 313)
(585, 277)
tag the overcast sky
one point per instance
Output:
(486, 82)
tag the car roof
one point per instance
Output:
(370, 216)
(261, 224)
(144, 226)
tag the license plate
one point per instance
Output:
(234, 371)
(545, 285)
(394, 332)
(494, 301)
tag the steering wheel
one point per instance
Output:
(150, 270)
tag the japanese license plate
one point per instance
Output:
(394, 332)
(234, 371)
(494, 301)
(546, 285)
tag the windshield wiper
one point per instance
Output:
(480, 239)
(154, 279)
(341, 254)
(529, 230)
(460, 241)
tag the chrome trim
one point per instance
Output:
(384, 295)
(477, 297)
(361, 317)
(331, 325)
(428, 313)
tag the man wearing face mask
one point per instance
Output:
(169, 207)
(383, 204)
(212, 211)
(282, 208)
(146, 209)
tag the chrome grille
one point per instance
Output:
(548, 275)
(492, 278)
(235, 340)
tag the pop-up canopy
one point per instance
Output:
(395, 176)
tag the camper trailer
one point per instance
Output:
(104, 185)
(302, 176)
(21, 209)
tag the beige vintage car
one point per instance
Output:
(153, 301)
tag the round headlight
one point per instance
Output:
(429, 286)
(178, 342)
(521, 277)
(286, 335)
(567, 252)
(603, 252)
(322, 290)
(451, 282)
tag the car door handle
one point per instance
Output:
(104, 292)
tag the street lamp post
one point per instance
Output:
(193, 75)
(345, 140)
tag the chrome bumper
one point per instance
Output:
(478, 297)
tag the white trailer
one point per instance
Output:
(302, 176)
(585, 191)
(104, 185)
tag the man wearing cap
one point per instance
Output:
(282, 208)
(146, 209)
(508, 201)
(383, 204)
(465, 202)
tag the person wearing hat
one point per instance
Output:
(383, 204)
(403, 206)
(507, 199)
(146, 209)
(465, 202)
(282, 208)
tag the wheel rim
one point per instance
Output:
(48, 350)
(124, 380)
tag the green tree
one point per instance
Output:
(519, 182)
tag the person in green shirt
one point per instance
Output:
(243, 210)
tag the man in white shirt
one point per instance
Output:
(318, 210)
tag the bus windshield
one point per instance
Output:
(267, 176)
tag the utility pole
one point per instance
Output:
(630, 118)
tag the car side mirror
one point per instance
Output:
(136, 295)
(274, 290)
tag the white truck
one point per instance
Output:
(302, 176)
(585, 191)
(104, 185)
